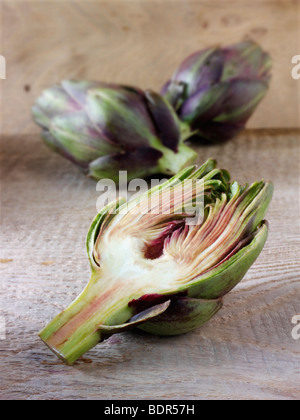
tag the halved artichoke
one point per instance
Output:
(163, 261)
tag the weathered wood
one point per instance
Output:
(140, 42)
(245, 351)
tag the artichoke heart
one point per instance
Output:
(163, 261)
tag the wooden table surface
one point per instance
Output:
(247, 350)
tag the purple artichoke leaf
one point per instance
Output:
(165, 120)
(76, 134)
(191, 69)
(215, 131)
(122, 117)
(175, 93)
(205, 104)
(110, 165)
(209, 73)
(165, 87)
(246, 60)
(240, 100)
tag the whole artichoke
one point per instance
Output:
(105, 128)
(216, 90)
(158, 265)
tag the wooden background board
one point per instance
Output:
(247, 350)
(139, 42)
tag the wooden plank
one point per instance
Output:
(245, 351)
(139, 42)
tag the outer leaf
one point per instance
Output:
(121, 116)
(193, 70)
(247, 60)
(75, 133)
(103, 216)
(109, 166)
(183, 315)
(136, 320)
(165, 119)
(204, 104)
(52, 102)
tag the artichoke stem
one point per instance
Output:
(172, 163)
(77, 329)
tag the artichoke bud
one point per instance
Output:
(154, 269)
(215, 91)
(106, 128)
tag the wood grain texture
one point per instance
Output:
(245, 351)
(139, 42)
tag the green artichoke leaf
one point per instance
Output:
(183, 315)
(121, 116)
(99, 221)
(140, 318)
(76, 134)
